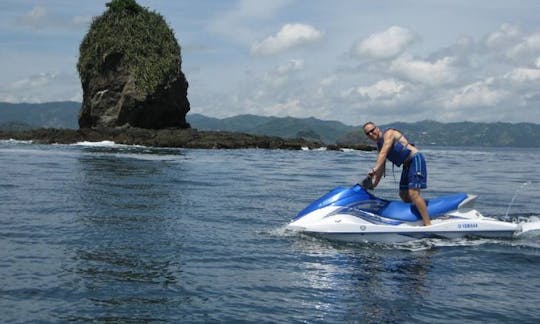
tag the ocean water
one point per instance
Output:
(111, 233)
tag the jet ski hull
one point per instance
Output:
(356, 220)
(390, 234)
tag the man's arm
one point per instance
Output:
(378, 170)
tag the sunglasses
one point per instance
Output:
(371, 131)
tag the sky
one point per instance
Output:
(346, 60)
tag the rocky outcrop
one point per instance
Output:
(173, 138)
(130, 70)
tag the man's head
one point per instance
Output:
(372, 131)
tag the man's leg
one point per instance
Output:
(404, 195)
(420, 203)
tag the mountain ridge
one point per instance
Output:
(63, 114)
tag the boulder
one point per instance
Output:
(130, 70)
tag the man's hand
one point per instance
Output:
(367, 183)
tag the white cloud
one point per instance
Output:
(504, 37)
(278, 80)
(478, 94)
(40, 18)
(289, 36)
(35, 18)
(329, 80)
(384, 89)
(241, 22)
(37, 13)
(441, 71)
(81, 20)
(529, 46)
(292, 107)
(523, 75)
(324, 87)
(386, 44)
(34, 81)
(42, 87)
(463, 64)
(292, 65)
(510, 42)
(257, 9)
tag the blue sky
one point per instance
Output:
(350, 60)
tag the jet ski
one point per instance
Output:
(355, 215)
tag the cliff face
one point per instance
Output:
(130, 70)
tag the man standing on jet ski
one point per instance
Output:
(394, 146)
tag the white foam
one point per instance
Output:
(14, 141)
(97, 144)
(430, 243)
(305, 148)
(105, 144)
(347, 150)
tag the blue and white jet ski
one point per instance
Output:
(355, 215)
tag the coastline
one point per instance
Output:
(173, 137)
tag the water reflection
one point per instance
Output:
(129, 252)
(390, 285)
(372, 283)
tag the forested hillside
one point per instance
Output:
(64, 115)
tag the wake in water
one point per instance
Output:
(528, 240)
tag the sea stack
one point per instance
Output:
(130, 70)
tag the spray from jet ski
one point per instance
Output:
(518, 190)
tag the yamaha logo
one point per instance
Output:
(468, 225)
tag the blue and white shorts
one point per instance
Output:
(414, 173)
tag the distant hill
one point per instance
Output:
(471, 134)
(287, 127)
(422, 133)
(64, 115)
(15, 127)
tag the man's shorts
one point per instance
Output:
(414, 173)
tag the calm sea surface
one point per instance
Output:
(111, 233)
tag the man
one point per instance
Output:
(392, 145)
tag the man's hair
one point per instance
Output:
(369, 123)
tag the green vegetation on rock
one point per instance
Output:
(140, 38)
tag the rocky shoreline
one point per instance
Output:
(173, 137)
